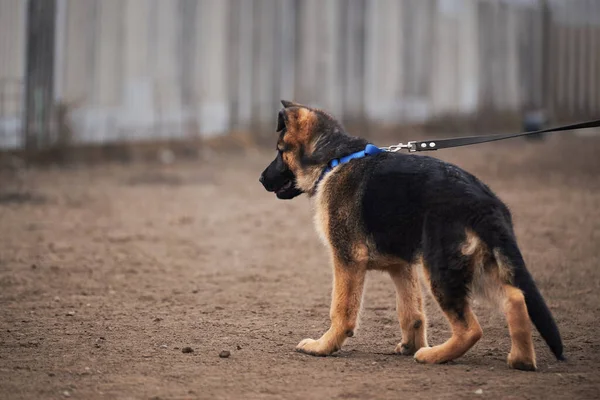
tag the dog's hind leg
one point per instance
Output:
(450, 273)
(522, 354)
(449, 269)
(409, 306)
(348, 285)
(465, 333)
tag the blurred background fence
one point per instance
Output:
(106, 71)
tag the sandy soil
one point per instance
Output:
(108, 273)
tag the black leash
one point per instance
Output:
(430, 145)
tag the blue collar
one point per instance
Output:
(369, 150)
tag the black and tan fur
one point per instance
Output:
(403, 214)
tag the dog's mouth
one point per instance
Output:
(288, 190)
(286, 186)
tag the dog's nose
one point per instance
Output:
(261, 179)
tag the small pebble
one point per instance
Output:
(239, 347)
(479, 391)
(66, 393)
(187, 350)
(70, 313)
(224, 354)
(163, 346)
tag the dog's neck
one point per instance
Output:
(326, 148)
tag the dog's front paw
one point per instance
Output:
(315, 347)
(406, 349)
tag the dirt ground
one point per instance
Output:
(107, 273)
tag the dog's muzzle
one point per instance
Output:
(286, 191)
(280, 181)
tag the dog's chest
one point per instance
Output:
(321, 216)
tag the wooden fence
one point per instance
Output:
(147, 69)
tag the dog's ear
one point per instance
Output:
(280, 121)
(281, 118)
(287, 104)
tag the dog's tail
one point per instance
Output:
(538, 311)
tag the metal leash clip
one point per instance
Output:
(410, 146)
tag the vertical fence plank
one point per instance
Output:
(39, 81)
(561, 61)
(13, 14)
(537, 44)
(286, 51)
(512, 84)
(572, 65)
(332, 53)
(276, 54)
(354, 61)
(549, 60)
(578, 29)
(137, 88)
(245, 66)
(263, 65)
(108, 72)
(370, 56)
(593, 68)
(187, 49)
(484, 45)
(502, 57)
(594, 49)
(384, 61)
(467, 51)
(307, 42)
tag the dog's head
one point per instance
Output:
(301, 155)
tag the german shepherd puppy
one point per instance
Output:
(400, 213)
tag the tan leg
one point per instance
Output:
(522, 354)
(348, 284)
(409, 306)
(465, 333)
